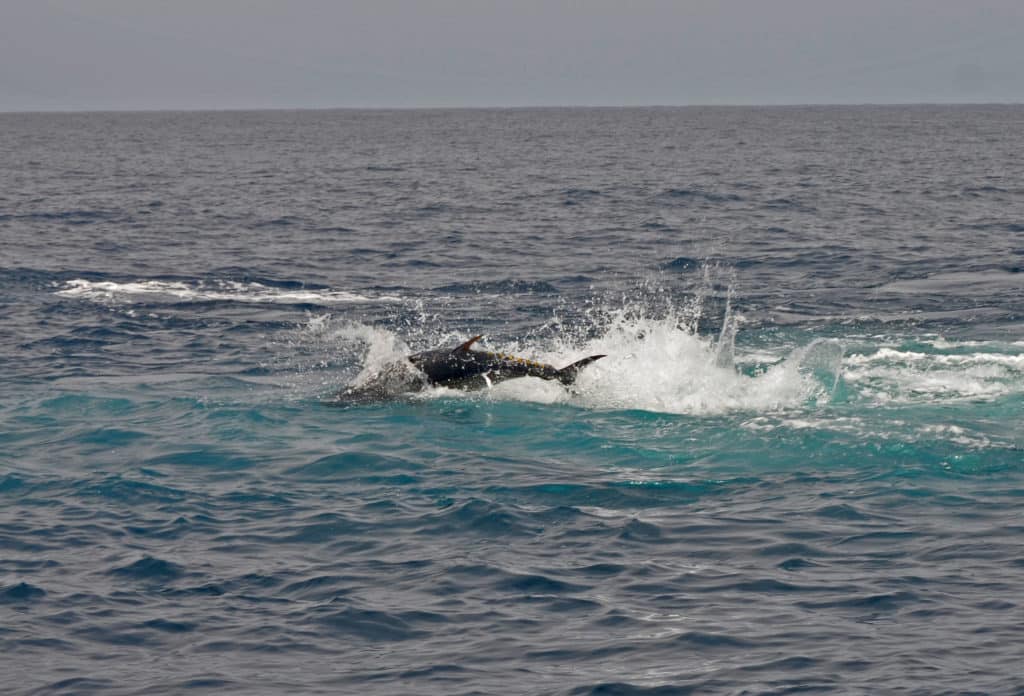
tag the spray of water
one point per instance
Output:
(656, 359)
(658, 364)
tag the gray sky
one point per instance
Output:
(216, 54)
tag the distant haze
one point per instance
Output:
(222, 54)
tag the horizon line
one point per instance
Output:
(534, 107)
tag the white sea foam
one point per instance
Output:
(841, 424)
(957, 435)
(213, 290)
(894, 375)
(893, 356)
(871, 429)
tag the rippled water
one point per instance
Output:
(800, 467)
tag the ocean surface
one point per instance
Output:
(799, 469)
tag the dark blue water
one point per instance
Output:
(800, 467)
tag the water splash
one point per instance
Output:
(322, 354)
(661, 365)
(657, 359)
(662, 359)
(725, 349)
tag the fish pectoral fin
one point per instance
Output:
(466, 346)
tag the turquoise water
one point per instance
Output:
(798, 469)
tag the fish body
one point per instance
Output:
(455, 368)
(467, 369)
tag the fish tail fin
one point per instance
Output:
(567, 375)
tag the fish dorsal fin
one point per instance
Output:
(465, 346)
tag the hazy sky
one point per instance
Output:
(197, 54)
